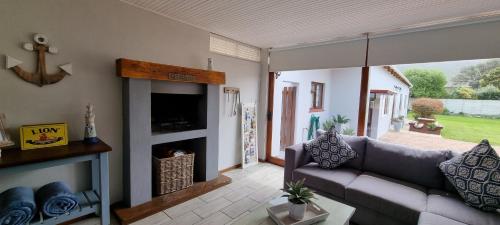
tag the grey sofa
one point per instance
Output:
(388, 184)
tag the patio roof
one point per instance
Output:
(398, 75)
(382, 91)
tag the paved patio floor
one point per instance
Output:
(428, 141)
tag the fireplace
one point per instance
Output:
(167, 106)
(177, 112)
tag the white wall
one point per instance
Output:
(381, 79)
(345, 94)
(244, 75)
(92, 34)
(303, 80)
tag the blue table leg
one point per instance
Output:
(96, 176)
(104, 188)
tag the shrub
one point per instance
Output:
(464, 93)
(489, 92)
(426, 107)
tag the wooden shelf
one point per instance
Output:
(17, 157)
(88, 203)
(155, 71)
(129, 215)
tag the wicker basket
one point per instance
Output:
(173, 174)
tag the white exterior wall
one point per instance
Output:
(381, 79)
(301, 79)
(345, 94)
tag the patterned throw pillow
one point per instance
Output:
(330, 150)
(476, 176)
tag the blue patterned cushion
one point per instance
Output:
(330, 150)
(476, 176)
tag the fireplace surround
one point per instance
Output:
(165, 105)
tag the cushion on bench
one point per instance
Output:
(397, 199)
(433, 219)
(333, 181)
(453, 207)
(404, 163)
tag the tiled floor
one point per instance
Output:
(250, 188)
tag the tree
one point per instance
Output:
(471, 75)
(492, 78)
(489, 92)
(463, 93)
(426, 83)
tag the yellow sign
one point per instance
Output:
(43, 135)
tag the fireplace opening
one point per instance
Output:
(177, 112)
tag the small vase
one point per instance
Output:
(296, 211)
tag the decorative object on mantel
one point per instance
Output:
(40, 77)
(90, 132)
(4, 136)
(232, 98)
(43, 135)
(209, 65)
(250, 153)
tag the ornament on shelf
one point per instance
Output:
(90, 132)
(4, 136)
(209, 65)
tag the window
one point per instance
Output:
(226, 46)
(317, 90)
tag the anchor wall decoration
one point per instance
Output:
(40, 77)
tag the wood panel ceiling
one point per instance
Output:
(279, 23)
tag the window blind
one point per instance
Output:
(233, 48)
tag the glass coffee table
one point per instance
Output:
(340, 213)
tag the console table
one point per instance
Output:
(92, 201)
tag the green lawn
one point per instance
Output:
(470, 129)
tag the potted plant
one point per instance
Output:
(298, 198)
(398, 123)
(340, 123)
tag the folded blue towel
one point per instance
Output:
(56, 199)
(17, 206)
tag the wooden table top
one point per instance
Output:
(17, 157)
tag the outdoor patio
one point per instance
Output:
(427, 141)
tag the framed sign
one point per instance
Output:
(250, 153)
(43, 135)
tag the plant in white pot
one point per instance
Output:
(341, 123)
(398, 123)
(298, 198)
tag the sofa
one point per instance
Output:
(388, 185)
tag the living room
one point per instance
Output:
(125, 82)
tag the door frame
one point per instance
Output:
(269, 132)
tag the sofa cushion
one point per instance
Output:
(476, 176)
(330, 150)
(358, 144)
(401, 200)
(433, 219)
(333, 182)
(453, 207)
(405, 163)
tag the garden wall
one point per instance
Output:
(469, 106)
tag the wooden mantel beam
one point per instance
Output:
(154, 71)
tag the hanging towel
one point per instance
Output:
(56, 199)
(313, 126)
(17, 206)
